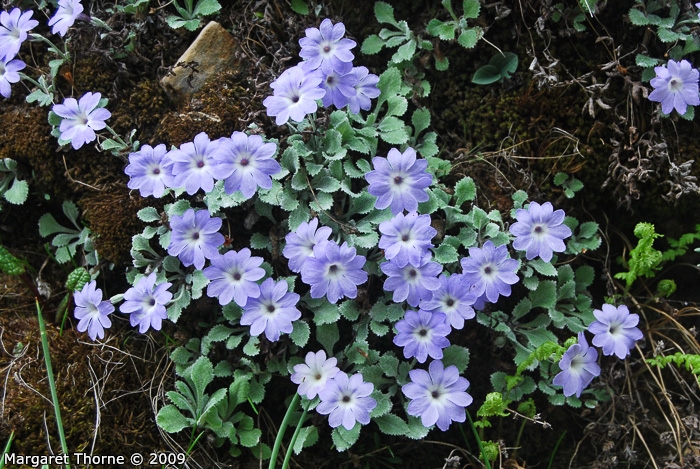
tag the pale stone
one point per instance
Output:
(213, 51)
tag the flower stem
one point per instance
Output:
(52, 47)
(283, 427)
(288, 456)
(52, 383)
(487, 463)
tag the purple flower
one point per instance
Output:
(8, 74)
(146, 303)
(346, 400)
(540, 231)
(334, 271)
(399, 181)
(406, 238)
(150, 171)
(326, 49)
(366, 89)
(578, 367)
(300, 244)
(454, 298)
(272, 312)
(412, 283)
(195, 165)
(81, 118)
(490, 270)
(421, 334)
(313, 375)
(13, 31)
(295, 95)
(91, 311)
(438, 395)
(233, 277)
(246, 162)
(66, 14)
(195, 236)
(339, 89)
(615, 330)
(675, 87)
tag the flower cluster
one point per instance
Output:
(615, 331)
(14, 27)
(327, 73)
(345, 399)
(243, 162)
(14, 30)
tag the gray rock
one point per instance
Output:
(213, 51)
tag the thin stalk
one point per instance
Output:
(63, 55)
(288, 456)
(7, 449)
(554, 451)
(282, 429)
(52, 383)
(487, 463)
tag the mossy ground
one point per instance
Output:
(509, 136)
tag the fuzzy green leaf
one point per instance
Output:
(465, 190)
(171, 420)
(148, 214)
(17, 193)
(391, 424)
(344, 439)
(372, 44)
(300, 334)
(328, 335)
(384, 13)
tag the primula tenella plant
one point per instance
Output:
(340, 264)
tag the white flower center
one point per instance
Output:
(675, 85)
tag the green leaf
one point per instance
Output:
(397, 106)
(391, 424)
(456, 355)
(646, 61)
(328, 335)
(171, 420)
(469, 37)
(442, 63)
(342, 438)
(202, 374)
(384, 13)
(465, 190)
(77, 279)
(148, 214)
(544, 268)
(444, 30)
(420, 120)
(405, 52)
(325, 313)
(372, 44)
(389, 82)
(471, 8)
(325, 183)
(545, 295)
(445, 254)
(486, 75)
(300, 6)
(308, 436)
(666, 35)
(17, 193)
(206, 7)
(637, 17)
(300, 333)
